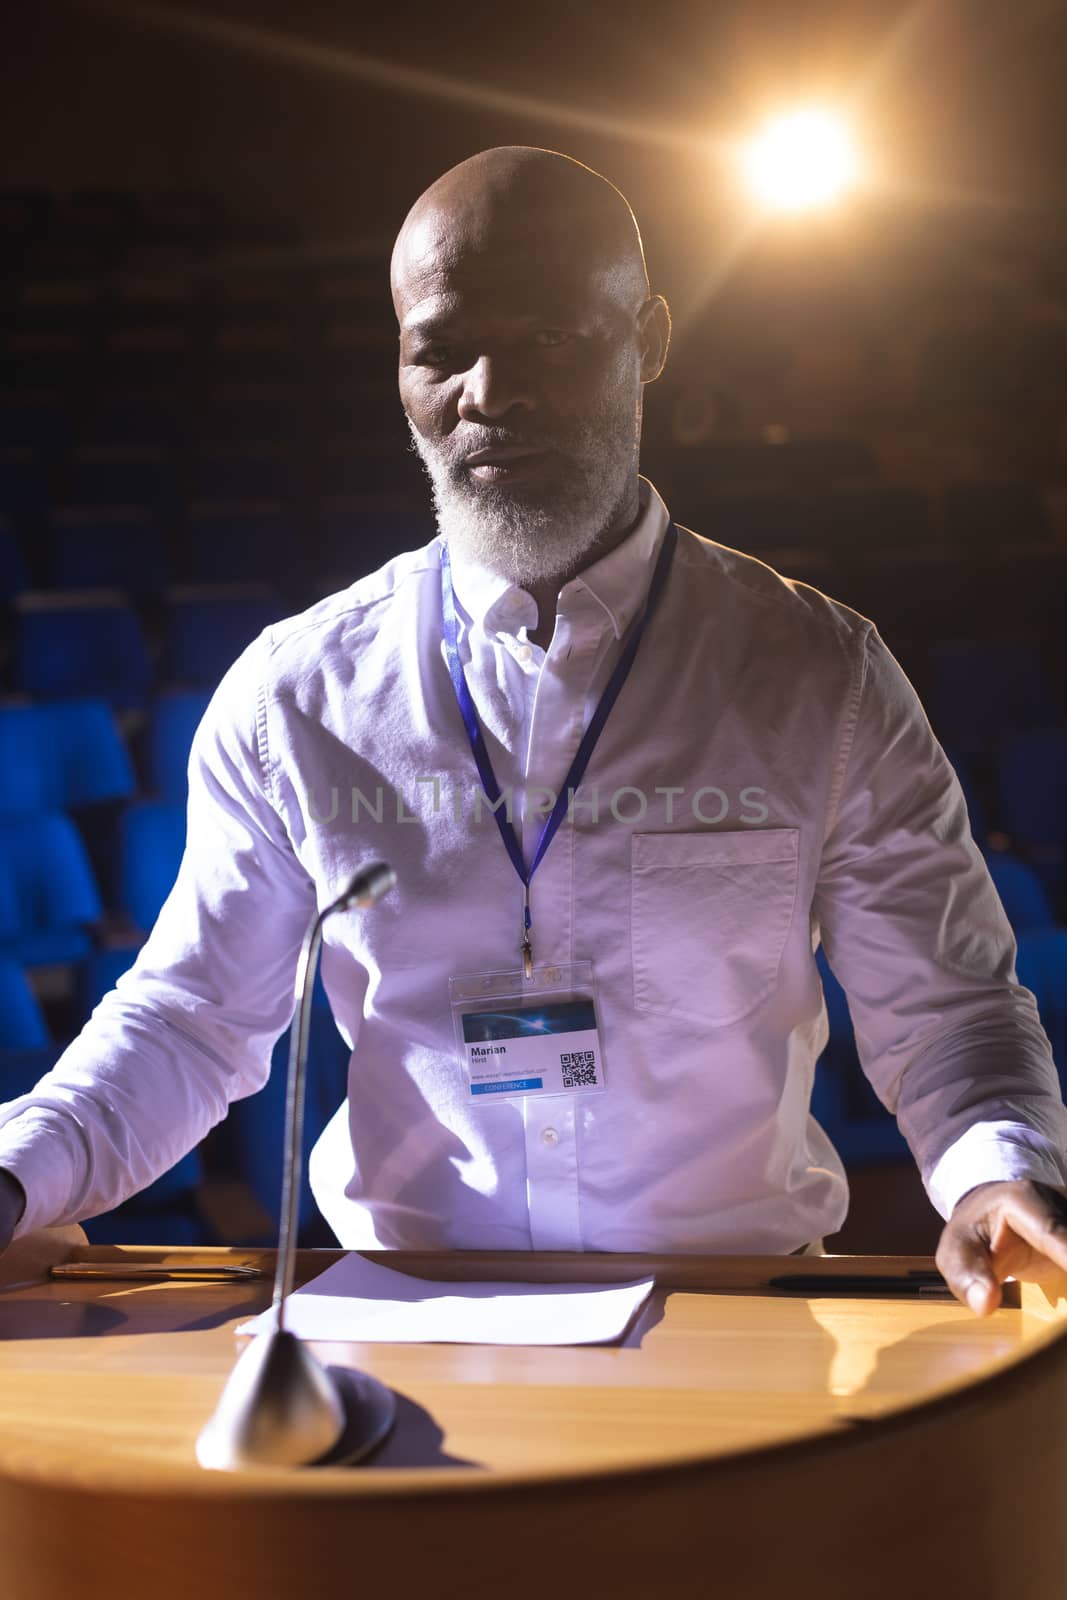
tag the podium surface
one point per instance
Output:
(738, 1437)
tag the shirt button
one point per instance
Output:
(524, 652)
(549, 1136)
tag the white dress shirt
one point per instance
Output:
(767, 778)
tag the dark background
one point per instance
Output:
(316, 130)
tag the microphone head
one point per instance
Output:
(366, 888)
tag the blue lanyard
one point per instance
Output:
(589, 738)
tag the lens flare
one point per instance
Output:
(800, 161)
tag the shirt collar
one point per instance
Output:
(618, 581)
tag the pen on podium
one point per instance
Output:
(915, 1284)
(155, 1271)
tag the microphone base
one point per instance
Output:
(369, 1410)
(280, 1409)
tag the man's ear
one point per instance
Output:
(654, 336)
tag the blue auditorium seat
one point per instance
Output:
(209, 627)
(22, 1024)
(174, 718)
(26, 767)
(118, 549)
(980, 691)
(91, 756)
(60, 755)
(1041, 967)
(151, 843)
(48, 895)
(81, 643)
(1022, 893)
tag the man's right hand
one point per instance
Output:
(12, 1205)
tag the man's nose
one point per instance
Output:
(493, 387)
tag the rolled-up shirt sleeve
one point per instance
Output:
(191, 1025)
(915, 932)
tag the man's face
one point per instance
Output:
(520, 377)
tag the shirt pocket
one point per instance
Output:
(709, 914)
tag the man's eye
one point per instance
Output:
(437, 355)
(548, 337)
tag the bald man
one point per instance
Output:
(629, 779)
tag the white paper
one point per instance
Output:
(357, 1299)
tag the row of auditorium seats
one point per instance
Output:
(69, 755)
(66, 758)
(58, 427)
(51, 904)
(100, 214)
(126, 548)
(65, 365)
(92, 642)
(62, 763)
(358, 461)
(995, 698)
(135, 450)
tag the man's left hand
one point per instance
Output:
(1014, 1229)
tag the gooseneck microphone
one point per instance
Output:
(366, 888)
(280, 1406)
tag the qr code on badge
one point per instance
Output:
(579, 1069)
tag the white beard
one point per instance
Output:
(533, 532)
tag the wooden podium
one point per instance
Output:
(740, 1442)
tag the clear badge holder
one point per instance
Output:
(521, 1036)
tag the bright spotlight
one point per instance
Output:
(800, 161)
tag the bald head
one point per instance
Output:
(516, 197)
